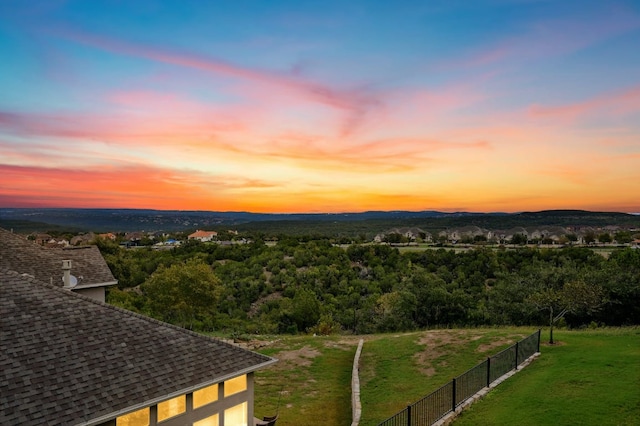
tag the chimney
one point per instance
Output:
(66, 277)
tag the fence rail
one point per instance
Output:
(444, 400)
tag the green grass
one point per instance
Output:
(590, 378)
(312, 382)
(397, 370)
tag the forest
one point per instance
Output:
(307, 285)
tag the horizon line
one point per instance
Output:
(444, 211)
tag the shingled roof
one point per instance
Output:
(45, 264)
(67, 357)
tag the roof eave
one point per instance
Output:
(154, 401)
(93, 285)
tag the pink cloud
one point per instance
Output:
(143, 118)
(354, 102)
(615, 104)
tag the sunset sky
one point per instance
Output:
(324, 106)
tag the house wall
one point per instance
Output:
(94, 293)
(192, 415)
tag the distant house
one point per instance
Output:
(108, 236)
(134, 237)
(203, 236)
(411, 234)
(83, 239)
(89, 272)
(42, 239)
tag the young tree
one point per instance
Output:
(623, 237)
(589, 237)
(519, 239)
(572, 238)
(574, 296)
(605, 238)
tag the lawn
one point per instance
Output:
(397, 370)
(312, 382)
(590, 378)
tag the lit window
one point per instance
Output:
(205, 396)
(171, 407)
(137, 418)
(209, 421)
(235, 385)
(236, 416)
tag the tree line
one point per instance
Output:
(311, 285)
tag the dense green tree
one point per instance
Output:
(623, 237)
(305, 310)
(519, 239)
(183, 294)
(302, 284)
(395, 311)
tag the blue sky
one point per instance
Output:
(321, 106)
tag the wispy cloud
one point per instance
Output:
(619, 103)
(355, 102)
(403, 111)
(553, 37)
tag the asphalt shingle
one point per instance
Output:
(45, 264)
(67, 357)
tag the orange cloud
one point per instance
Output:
(140, 187)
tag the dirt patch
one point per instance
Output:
(497, 343)
(437, 344)
(428, 371)
(298, 358)
(344, 344)
(556, 343)
(486, 347)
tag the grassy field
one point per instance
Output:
(589, 378)
(397, 370)
(312, 382)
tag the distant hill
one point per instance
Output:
(334, 224)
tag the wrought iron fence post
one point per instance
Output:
(516, 367)
(453, 395)
(539, 330)
(408, 415)
(488, 371)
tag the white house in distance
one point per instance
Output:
(203, 236)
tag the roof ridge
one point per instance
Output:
(131, 313)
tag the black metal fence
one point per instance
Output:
(441, 402)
